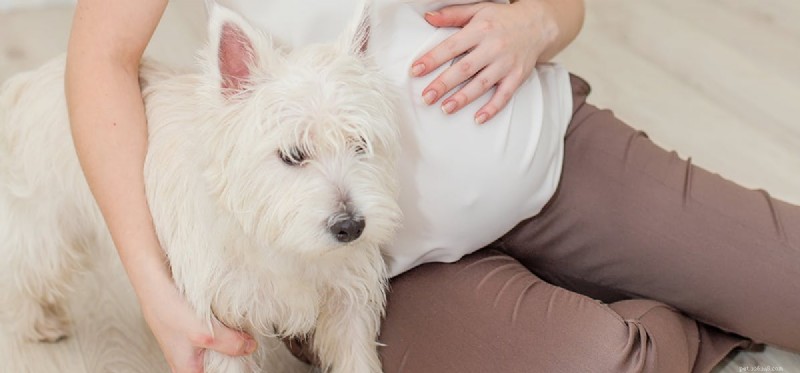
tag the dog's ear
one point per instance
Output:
(356, 38)
(234, 50)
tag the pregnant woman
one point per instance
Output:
(577, 244)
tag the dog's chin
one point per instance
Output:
(350, 246)
(313, 249)
(337, 249)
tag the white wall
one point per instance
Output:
(16, 4)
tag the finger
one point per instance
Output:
(453, 16)
(480, 84)
(226, 341)
(452, 47)
(505, 90)
(453, 76)
(197, 364)
(190, 360)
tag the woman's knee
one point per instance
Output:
(660, 339)
(489, 313)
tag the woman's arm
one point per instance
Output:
(502, 43)
(109, 130)
(108, 122)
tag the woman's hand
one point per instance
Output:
(182, 336)
(501, 43)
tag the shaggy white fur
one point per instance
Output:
(271, 181)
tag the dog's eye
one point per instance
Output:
(294, 157)
(360, 149)
(360, 146)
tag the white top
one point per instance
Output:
(462, 185)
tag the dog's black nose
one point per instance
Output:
(348, 229)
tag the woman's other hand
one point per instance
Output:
(501, 44)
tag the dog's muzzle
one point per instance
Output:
(347, 228)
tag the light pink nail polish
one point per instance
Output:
(429, 97)
(448, 107)
(481, 118)
(417, 69)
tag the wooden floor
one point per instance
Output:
(717, 80)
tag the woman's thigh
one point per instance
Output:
(631, 220)
(488, 313)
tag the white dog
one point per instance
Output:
(270, 178)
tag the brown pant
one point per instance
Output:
(681, 257)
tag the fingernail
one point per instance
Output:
(417, 69)
(250, 346)
(429, 96)
(431, 14)
(448, 107)
(481, 118)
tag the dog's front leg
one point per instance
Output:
(346, 335)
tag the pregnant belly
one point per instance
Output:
(465, 185)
